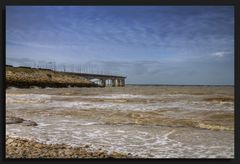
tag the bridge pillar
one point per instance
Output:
(110, 82)
(122, 82)
(107, 84)
(113, 83)
(103, 81)
(119, 82)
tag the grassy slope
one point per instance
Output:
(26, 77)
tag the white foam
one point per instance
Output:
(43, 124)
(42, 101)
(89, 123)
(121, 96)
(146, 142)
(27, 98)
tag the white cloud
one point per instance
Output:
(219, 54)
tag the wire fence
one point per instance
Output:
(75, 68)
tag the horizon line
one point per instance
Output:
(182, 84)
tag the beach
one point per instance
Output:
(121, 122)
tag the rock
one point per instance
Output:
(29, 123)
(13, 144)
(102, 155)
(9, 141)
(38, 145)
(13, 120)
(86, 146)
(68, 152)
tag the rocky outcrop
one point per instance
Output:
(24, 77)
(17, 120)
(13, 120)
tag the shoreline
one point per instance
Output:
(17, 147)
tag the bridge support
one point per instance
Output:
(107, 83)
(122, 82)
(103, 82)
(113, 83)
(117, 82)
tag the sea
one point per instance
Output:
(146, 121)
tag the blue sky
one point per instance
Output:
(148, 44)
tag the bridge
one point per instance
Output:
(103, 80)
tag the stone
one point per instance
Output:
(13, 144)
(29, 123)
(9, 141)
(13, 120)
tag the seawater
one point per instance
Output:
(148, 121)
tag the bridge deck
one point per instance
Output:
(104, 79)
(95, 75)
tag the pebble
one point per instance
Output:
(9, 140)
(22, 148)
(86, 146)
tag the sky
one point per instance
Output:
(184, 45)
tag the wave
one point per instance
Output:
(27, 98)
(177, 124)
(219, 99)
(112, 102)
(213, 127)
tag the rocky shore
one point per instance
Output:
(26, 148)
(24, 77)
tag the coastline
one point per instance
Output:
(26, 77)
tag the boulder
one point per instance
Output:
(13, 120)
(17, 120)
(29, 123)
